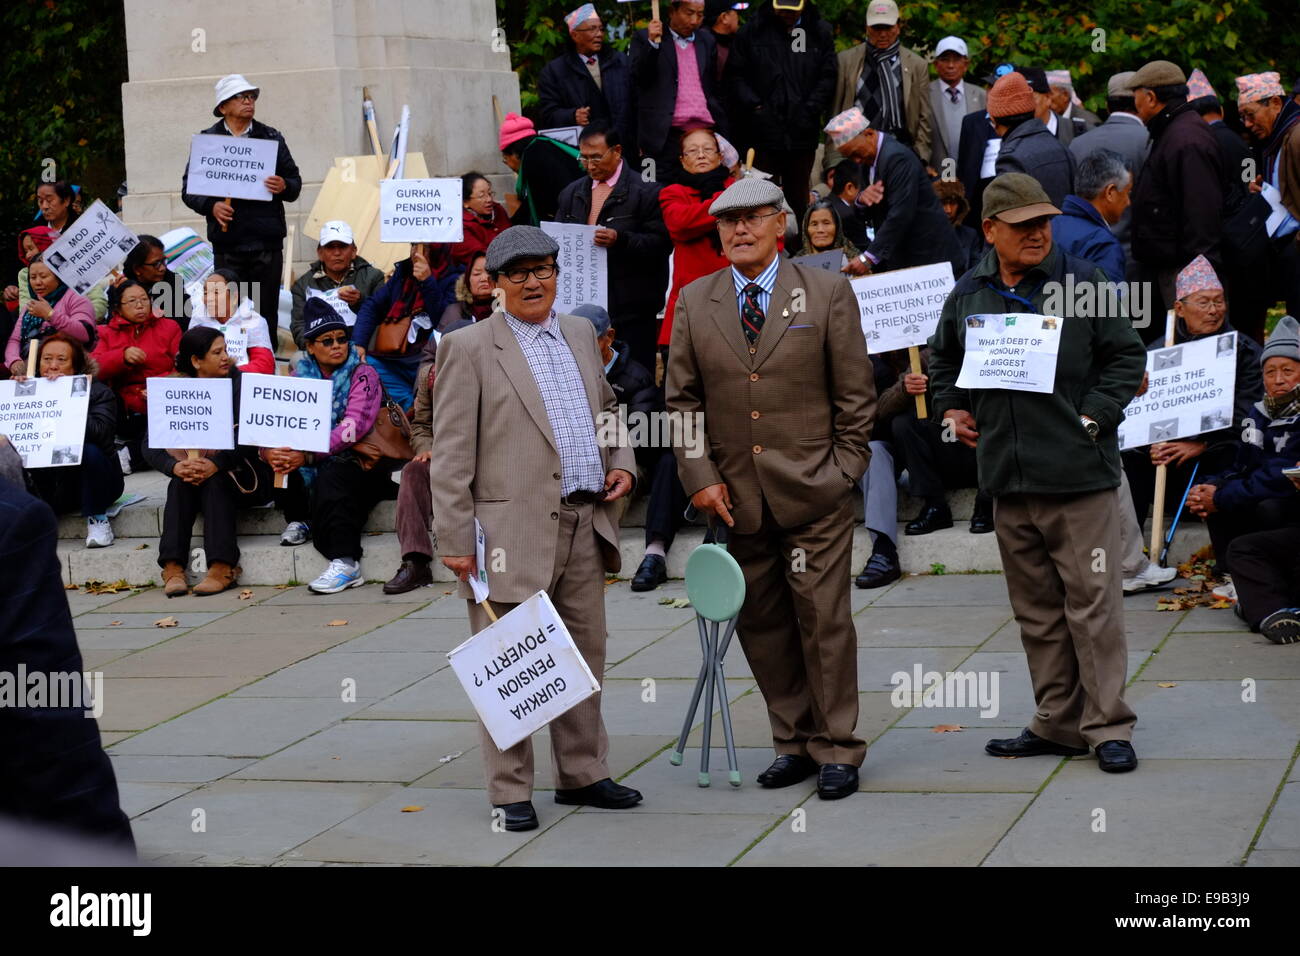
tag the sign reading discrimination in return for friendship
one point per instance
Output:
(46, 421)
(901, 308)
(230, 166)
(420, 210)
(1015, 351)
(90, 248)
(583, 278)
(190, 413)
(1190, 388)
(277, 411)
(522, 671)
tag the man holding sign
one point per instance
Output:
(1044, 434)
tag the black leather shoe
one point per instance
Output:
(652, 573)
(836, 780)
(931, 518)
(1029, 744)
(411, 575)
(1116, 756)
(981, 522)
(879, 570)
(517, 816)
(786, 771)
(605, 794)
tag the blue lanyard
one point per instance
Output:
(1027, 303)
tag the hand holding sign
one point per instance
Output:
(285, 413)
(223, 212)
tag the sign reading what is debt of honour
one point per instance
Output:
(230, 166)
(277, 411)
(420, 210)
(90, 248)
(190, 413)
(522, 671)
(1016, 351)
(1190, 388)
(583, 273)
(45, 420)
(901, 308)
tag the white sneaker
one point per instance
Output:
(339, 576)
(294, 534)
(1226, 591)
(1149, 578)
(99, 533)
(124, 457)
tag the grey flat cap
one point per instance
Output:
(519, 242)
(1158, 73)
(746, 194)
(1121, 84)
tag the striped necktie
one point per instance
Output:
(751, 314)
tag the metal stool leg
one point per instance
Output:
(675, 758)
(706, 741)
(733, 765)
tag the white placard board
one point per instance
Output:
(522, 671)
(1015, 351)
(46, 421)
(420, 210)
(279, 411)
(563, 134)
(583, 277)
(190, 413)
(1190, 389)
(901, 308)
(335, 302)
(230, 166)
(832, 261)
(236, 343)
(90, 248)
(478, 581)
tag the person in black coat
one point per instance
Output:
(632, 231)
(1027, 145)
(146, 263)
(976, 133)
(568, 92)
(543, 167)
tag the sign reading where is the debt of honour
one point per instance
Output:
(583, 275)
(90, 248)
(901, 308)
(190, 413)
(420, 210)
(522, 671)
(1190, 388)
(230, 166)
(45, 420)
(1015, 351)
(277, 411)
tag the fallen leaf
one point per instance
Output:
(283, 587)
(336, 758)
(72, 587)
(1167, 607)
(947, 728)
(142, 547)
(99, 587)
(167, 622)
(675, 602)
(338, 622)
(412, 809)
(1220, 604)
(245, 594)
(114, 623)
(448, 758)
(1166, 684)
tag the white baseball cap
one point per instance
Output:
(882, 13)
(229, 86)
(336, 230)
(950, 45)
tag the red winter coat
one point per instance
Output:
(159, 337)
(695, 250)
(479, 233)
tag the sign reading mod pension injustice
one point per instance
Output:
(901, 308)
(420, 210)
(1190, 388)
(230, 166)
(45, 420)
(190, 413)
(583, 277)
(276, 411)
(90, 248)
(522, 671)
(1016, 351)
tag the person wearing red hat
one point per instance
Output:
(1027, 145)
(542, 166)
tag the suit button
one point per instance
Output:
(758, 449)
(753, 415)
(556, 476)
(555, 515)
(752, 350)
(753, 376)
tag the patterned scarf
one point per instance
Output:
(33, 325)
(341, 383)
(1283, 406)
(880, 91)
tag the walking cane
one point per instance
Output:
(1169, 538)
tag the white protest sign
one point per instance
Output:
(333, 300)
(90, 248)
(563, 134)
(276, 411)
(583, 277)
(46, 421)
(190, 413)
(522, 671)
(236, 344)
(420, 210)
(901, 308)
(1015, 351)
(230, 166)
(478, 581)
(1190, 389)
(832, 261)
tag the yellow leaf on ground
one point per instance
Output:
(1166, 684)
(72, 587)
(412, 809)
(1220, 604)
(114, 623)
(339, 622)
(167, 622)
(947, 728)
(245, 594)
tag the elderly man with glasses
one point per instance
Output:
(590, 83)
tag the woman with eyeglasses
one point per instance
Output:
(483, 217)
(146, 264)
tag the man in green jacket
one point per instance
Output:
(339, 275)
(1051, 461)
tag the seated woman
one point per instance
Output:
(215, 484)
(473, 298)
(248, 341)
(484, 218)
(823, 231)
(333, 488)
(95, 483)
(396, 321)
(146, 263)
(31, 243)
(54, 308)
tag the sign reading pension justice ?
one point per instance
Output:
(230, 166)
(190, 413)
(420, 210)
(277, 411)
(901, 308)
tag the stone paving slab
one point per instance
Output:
(1209, 720)
(626, 752)
(952, 590)
(238, 727)
(407, 635)
(138, 703)
(152, 600)
(176, 769)
(372, 676)
(139, 798)
(678, 655)
(186, 620)
(1224, 654)
(218, 653)
(670, 789)
(626, 712)
(436, 697)
(888, 626)
(122, 638)
(1289, 858)
(1282, 832)
(878, 665)
(917, 759)
(1144, 630)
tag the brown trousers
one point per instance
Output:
(579, 744)
(796, 628)
(1071, 616)
(414, 510)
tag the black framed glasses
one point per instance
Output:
(542, 273)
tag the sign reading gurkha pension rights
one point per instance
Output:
(231, 167)
(1190, 389)
(45, 420)
(583, 277)
(190, 413)
(901, 308)
(90, 248)
(420, 210)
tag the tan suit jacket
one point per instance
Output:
(788, 421)
(916, 98)
(494, 455)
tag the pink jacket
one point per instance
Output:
(72, 314)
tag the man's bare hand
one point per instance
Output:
(223, 212)
(915, 383)
(856, 267)
(1146, 382)
(605, 236)
(350, 294)
(582, 116)
(714, 500)
(462, 566)
(872, 194)
(655, 31)
(275, 184)
(963, 426)
(617, 483)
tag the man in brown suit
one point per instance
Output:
(515, 444)
(771, 355)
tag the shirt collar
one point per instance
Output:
(529, 331)
(1120, 114)
(612, 181)
(678, 36)
(1051, 122)
(613, 358)
(246, 133)
(766, 279)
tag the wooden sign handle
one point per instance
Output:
(654, 9)
(1162, 474)
(32, 348)
(191, 453)
(749, 159)
(282, 479)
(492, 615)
(914, 355)
(224, 225)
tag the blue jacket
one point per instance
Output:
(1266, 446)
(1081, 232)
(436, 293)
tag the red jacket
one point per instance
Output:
(159, 337)
(695, 250)
(478, 233)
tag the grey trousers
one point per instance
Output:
(880, 491)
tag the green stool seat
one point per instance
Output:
(714, 583)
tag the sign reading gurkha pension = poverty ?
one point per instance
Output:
(90, 248)
(1190, 389)
(45, 420)
(190, 413)
(901, 308)
(277, 411)
(420, 210)
(232, 167)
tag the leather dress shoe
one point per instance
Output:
(836, 780)
(1116, 756)
(931, 518)
(787, 770)
(518, 816)
(605, 794)
(1029, 744)
(981, 522)
(652, 573)
(411, 575)
(879, 570)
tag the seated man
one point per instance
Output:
(1267, 580)
(337, 271)
(879, 484)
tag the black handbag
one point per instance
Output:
(1245, 233)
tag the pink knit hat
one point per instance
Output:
(1259, 86)
(1198, 85)
(1198, 276)
(515, 128)
(1010, 96)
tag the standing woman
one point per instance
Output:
(484, 218)
(223, 310)
(53, 308)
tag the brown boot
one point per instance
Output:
(220, 577)
(174, 583)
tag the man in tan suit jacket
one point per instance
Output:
(515, 443)
(771, 355)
